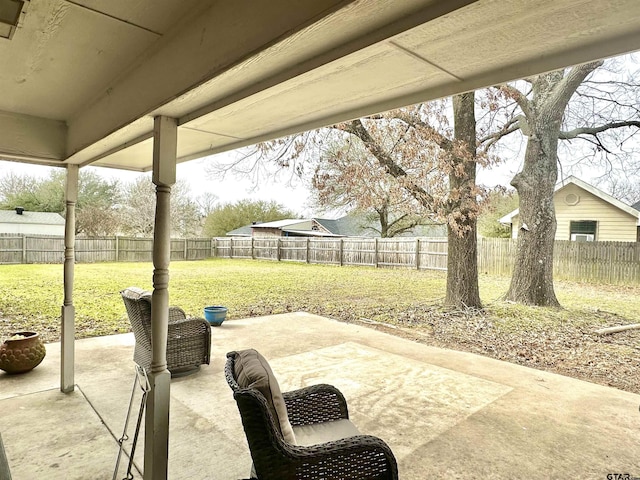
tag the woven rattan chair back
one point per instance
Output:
(188, 339)
(361, 457)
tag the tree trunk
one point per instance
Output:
(462, 258)
(383, 216)
(532, 279)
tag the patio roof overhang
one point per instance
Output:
(82, 80)
(143, 85)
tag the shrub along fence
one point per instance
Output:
(597, 262)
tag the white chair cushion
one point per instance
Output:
(307, 435)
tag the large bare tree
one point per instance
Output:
(547, 114)
(428, 168)
(138, 209)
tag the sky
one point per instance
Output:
(232, 189)
(228, 190)
(295, 198)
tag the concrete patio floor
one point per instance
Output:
(445, 414)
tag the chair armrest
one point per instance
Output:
(176, 314)
(315, 404)
(346, 458)
(188, 327)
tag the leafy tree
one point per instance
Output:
(94, 208)
(19, 191)
(496, 205)
(229, 216)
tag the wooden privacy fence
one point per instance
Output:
(419, 253)
(50, 249)
(592, 262)
(595, 262)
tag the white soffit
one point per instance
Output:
(84, 78)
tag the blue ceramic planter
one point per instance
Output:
(215, 315)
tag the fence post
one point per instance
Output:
(341, 252)
(230, 247)
(308, 249)
(185, 249)
(278, 246)
(117, 248)
(417, 254)
(24, 248)
(375, 252)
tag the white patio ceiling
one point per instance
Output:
(81, 80)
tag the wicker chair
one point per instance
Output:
(188, 341)
(320, 410)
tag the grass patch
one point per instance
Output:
(560, 340)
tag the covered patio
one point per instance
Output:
(148, 84)
(445, 414)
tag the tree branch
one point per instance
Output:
(576, 132)
(519, 97)
(414, 121)
(564, 90)
(391, 167)
(488, 141)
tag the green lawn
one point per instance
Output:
(557, 340)
(31, 295)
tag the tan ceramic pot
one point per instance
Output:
(22, 354)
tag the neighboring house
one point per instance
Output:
(241, 232)
(291, 228)
(23, 222)
(358, 225)
(346, 226)
(586, 213)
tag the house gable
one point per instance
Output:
(575, 204)
(577, 201)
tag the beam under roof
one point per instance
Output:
(85, 79)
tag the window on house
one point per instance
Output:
(583, 230)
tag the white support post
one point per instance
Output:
(156, 438)
(68, 311)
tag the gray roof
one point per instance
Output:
(358, 225)
(352, 225)
(241, 232)
(38, 218)
(349, 226)
(280, 223)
